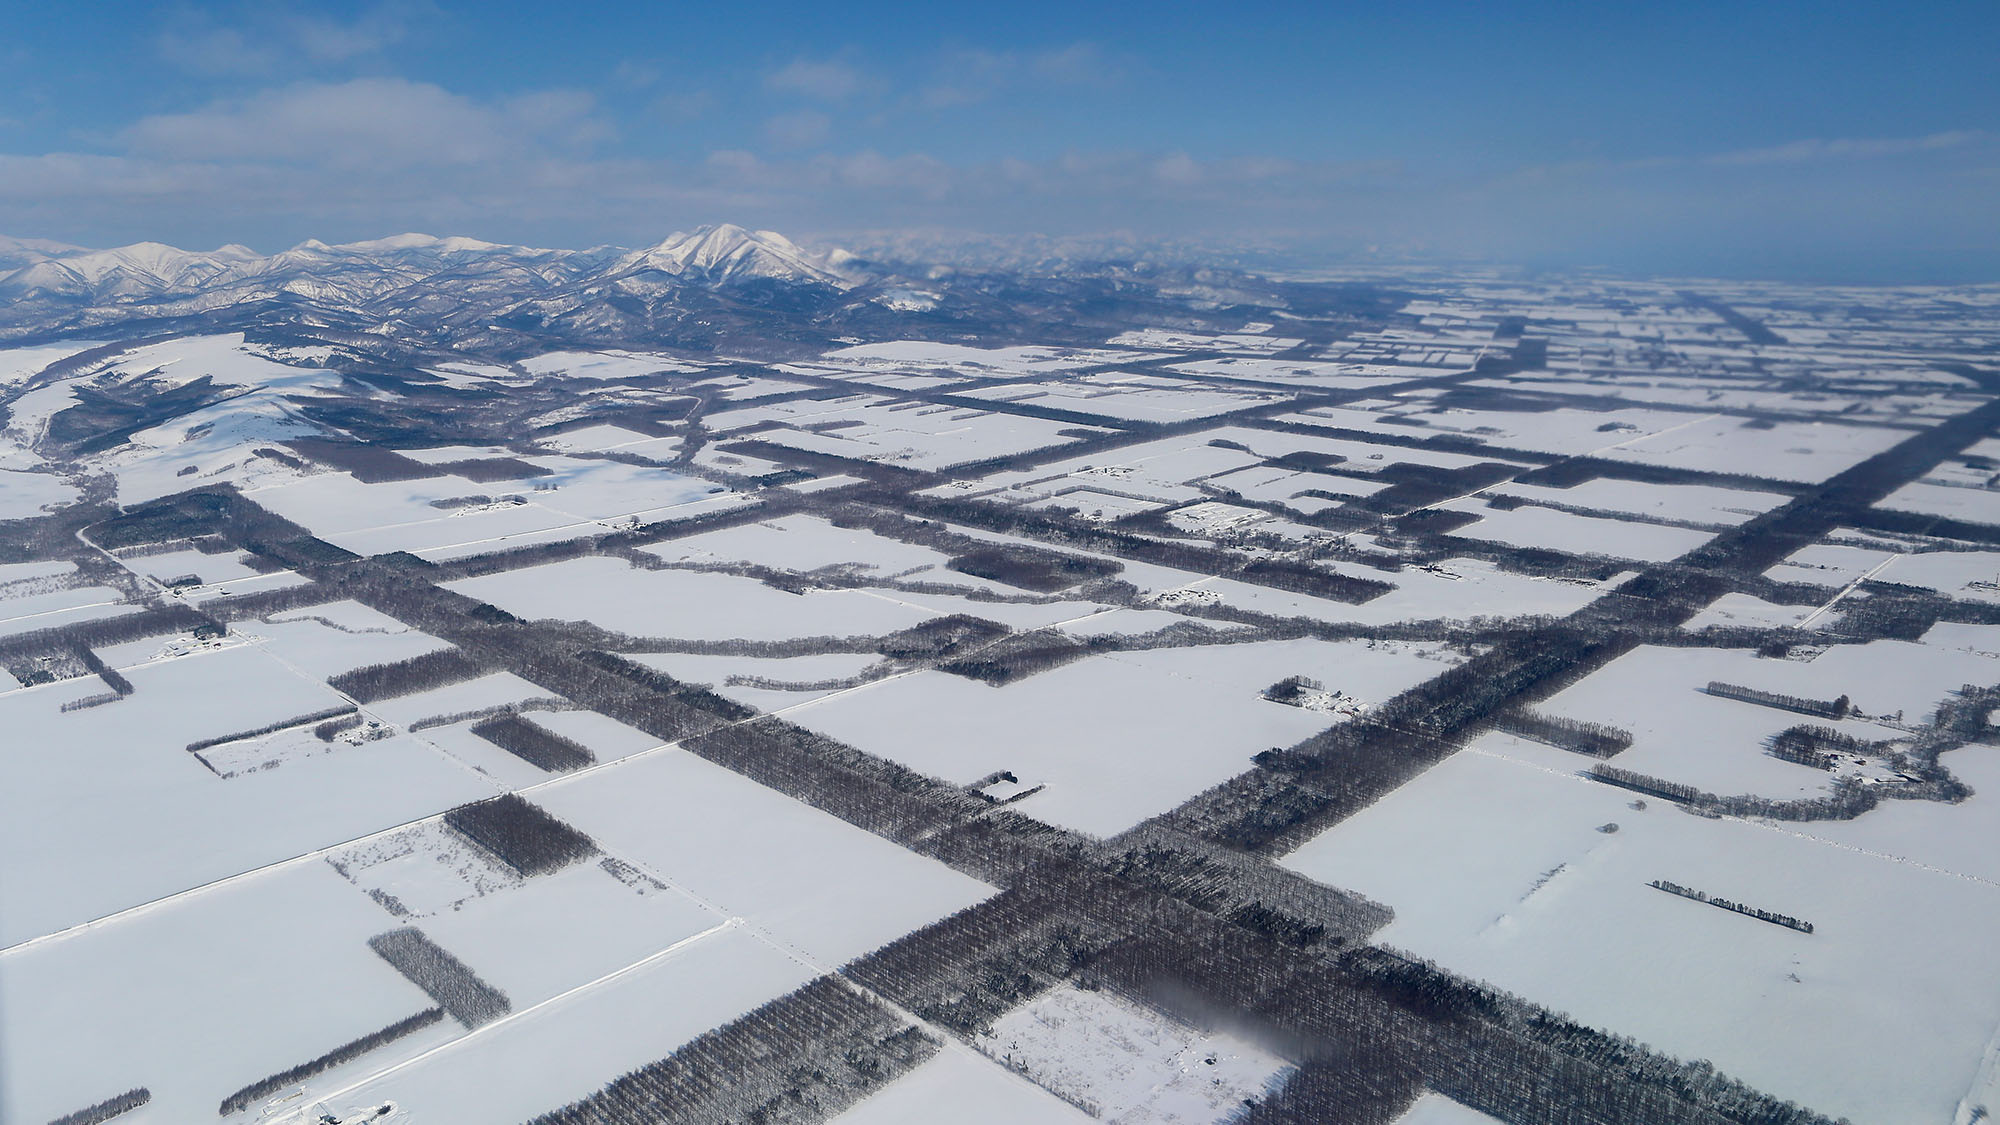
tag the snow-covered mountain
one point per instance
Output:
(143, 269)
(421, 285)
(715, 288)
(149, 271)
(726, 255)
(18, 252)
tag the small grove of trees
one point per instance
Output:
(1644, 783)
(1292, 689)
(375, 682)
(940, 637)
(1031, 568)
(107, 1109)
(521, 835)
(534, 744)
(263, 1088)
(186, 516)
(332, 729)
(112, 678)
(865, 790)
(371, 463)
(1825, 708)
(1259, 896)
(975, 966)
(1304, 578)
(1599, 740)
(1775, 919)
(457, 989)
(1809, 744)
(1019, 656)
(96, 700)
(1847, 799)
(659, 683)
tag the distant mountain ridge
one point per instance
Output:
(725, 254)
(711, 289)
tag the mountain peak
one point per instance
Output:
(725, 252)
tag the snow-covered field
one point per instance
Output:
(1125, 1063)
(337, 637)
(959, 1086)
(1532, 526)
(1436, 1109)
(804, 543)
(446, 515)
(1146, 398)
(914, 435)
(1553, 908)
(200, 836)
(1972, 504)
(544, 1056)
(1681, 733)
(818, 886)
(1798, 451)
(1694, 503)
(106, 808)
(24, 494)
(1114, 739)
(195, 1001)
(684, 603)
(604, 365)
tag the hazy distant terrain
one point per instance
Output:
(726, 681)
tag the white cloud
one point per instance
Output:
(803, 129)
(358, 159)
(332, 41)
(267, 39)
(1844, 148)
(368, 122)
(218, 51)
(682, 105)
(967, 76)
(825, 79)
(631, 74)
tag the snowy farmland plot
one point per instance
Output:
(1112, 740)
(1561, 911)
(337, 637)
(1122, 1062)
(686, 604)
(263, 974)
(1786, 451)
(112, 810)
(913, 435)
(819, 888)
(730, 681)
(542, 1057)
(1530, 526)
(805, 543)
(958, 1085)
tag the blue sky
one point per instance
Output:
(1836, 140)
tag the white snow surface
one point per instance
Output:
(1552, 908)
